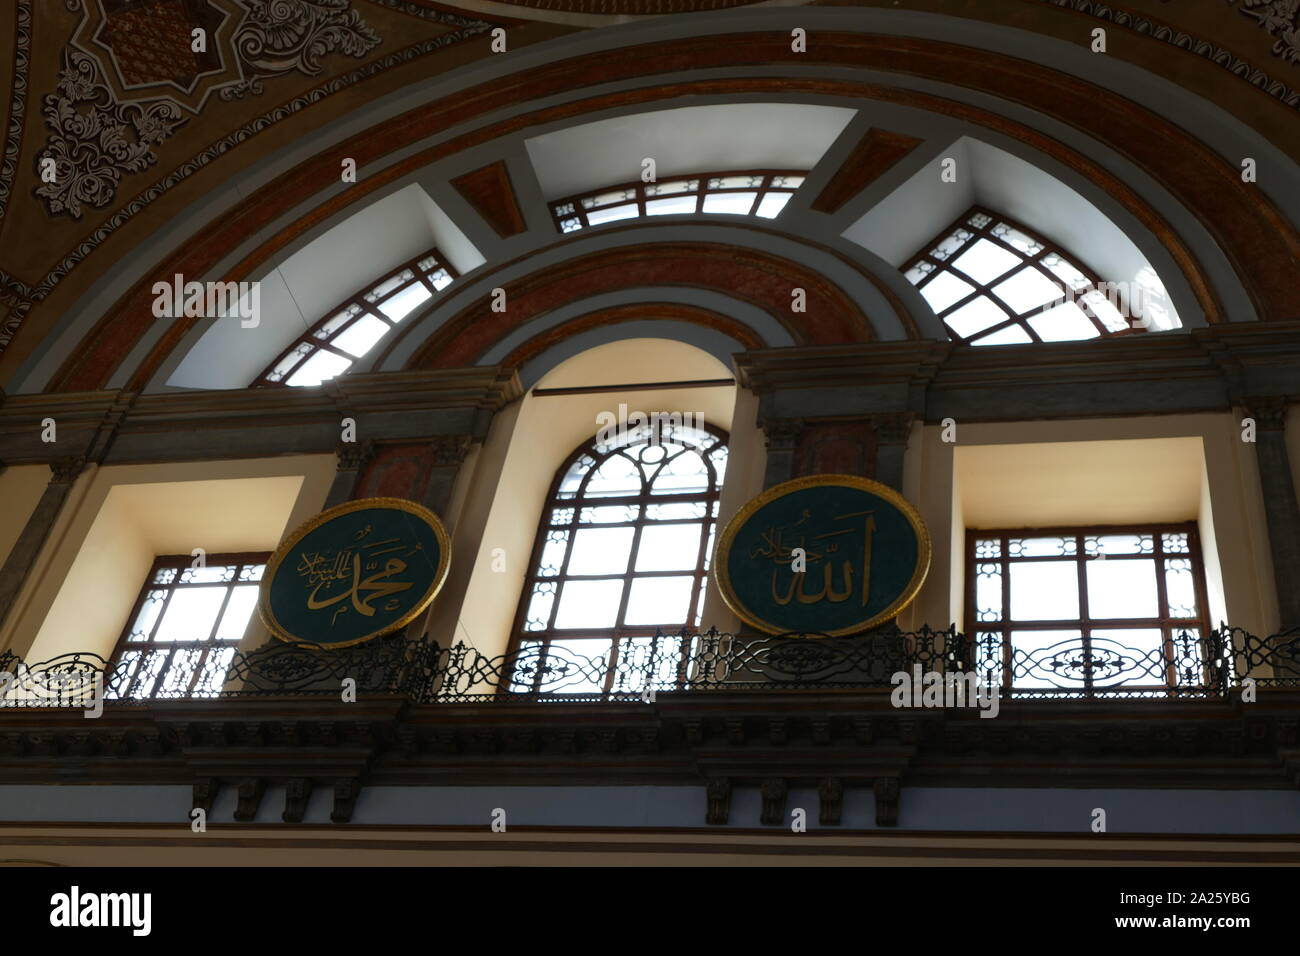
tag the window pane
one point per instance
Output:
(601, 550)
(660, 601)
(975, 317)
(1122, 588)
(191, 614)
(589, 604)
(208, 574)
(618, 476)
(1067, 273)
(359, 337)
(669, 547)
(945, 290)
(1027, 289)
(539, 608)
(733, 203)
(557, 543)
(1011, 335)
(675, 206)
(239, 610)
(1016, 238)
(1065, 323)
(684, 472)
(1119, 544)
(389, 284)
(772, 204)
(1180, 588)
(988, 592)
(609, 514)
(985, 261)
(148, 616)
(597, 216)
(318, 368)
(609, 198)
(675, 509)
(1044, 591)
(400, 305)
(675, 186)
(1042, 547)
(1105, 310)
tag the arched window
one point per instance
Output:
(994, 282)
(353, 328)
(623, 549)
(762, 193)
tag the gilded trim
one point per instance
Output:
(360, 504)
(923, 547)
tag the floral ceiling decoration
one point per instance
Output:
(131, 77)
(1281, 19)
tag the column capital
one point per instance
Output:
(64, 471)
(450, 449)
(353, 456)
(782, 434)
(893, 428)
(1269, 411)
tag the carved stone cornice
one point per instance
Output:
(112, 427)
(774, 741)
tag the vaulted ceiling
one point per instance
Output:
(130, 158)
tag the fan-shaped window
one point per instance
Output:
(352, 329)
(750, 193)
(994, 282)
(623, 549)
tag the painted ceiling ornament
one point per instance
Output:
(287, 36)
(131, 77)
(146, 49)
(1281, 20)
(94, 140)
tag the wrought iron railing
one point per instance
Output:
(1186, 665)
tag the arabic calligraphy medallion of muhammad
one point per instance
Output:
(823, 555)
(357, 571)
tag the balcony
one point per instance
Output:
(711, 710)
(634, 668)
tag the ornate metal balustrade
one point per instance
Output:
(1187, 666)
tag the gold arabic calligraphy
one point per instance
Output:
(780, 542)
(325, 571)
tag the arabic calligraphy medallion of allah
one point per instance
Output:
(355, 572)
(825, 555)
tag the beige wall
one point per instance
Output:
(118, 518)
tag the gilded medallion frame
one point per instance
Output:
(924, 550)
(307, 527)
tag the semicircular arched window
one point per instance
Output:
(994, 282)
(760, 192)
(350, 330)
(622, 552)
